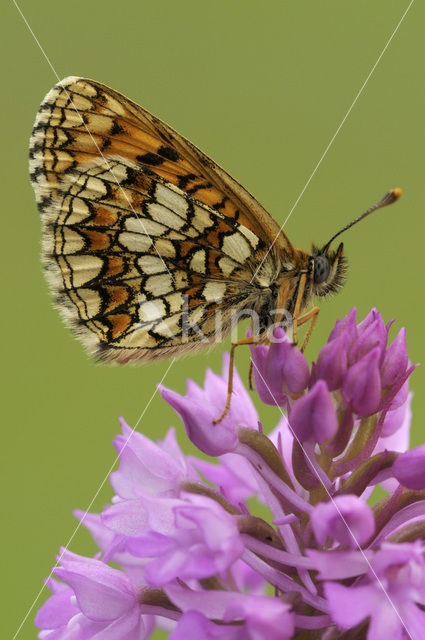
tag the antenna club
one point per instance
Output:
(390, 197)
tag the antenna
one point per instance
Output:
(390, 197)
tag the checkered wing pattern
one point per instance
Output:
(146, 240)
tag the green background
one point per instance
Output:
(262, 91)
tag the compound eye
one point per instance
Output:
(321, 269)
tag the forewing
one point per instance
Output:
(139, 249)
(83, 118)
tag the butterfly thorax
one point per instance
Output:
(277, 288)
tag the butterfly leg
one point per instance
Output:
(250, 377)
(237, 343)
(311, 316)
(296, 318)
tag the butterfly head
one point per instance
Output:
(328, 270)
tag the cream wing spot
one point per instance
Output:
(198, 260)
(94, 188)
(151, 227)
(168, 196)
(169, 327)
(84, 268)
(175, 301)
(201, 219)
(151, 264)
(227, 265)
(214, 291)
(116, 172)
(152, 310)
(136, 242)
(196, 316)
(159, 285)
(63, 161)
(98, 122)
(74, 83)
(87, 301)
(66, 118)
(113, 105)
(66, 273)
(62, 99)
(139, 338)
(165, 216)
(191, 232)
(180, 279)
(175, 235)
(144, 225)
(77, 101)
(74, 210)
(61, 137)
(165, 248)
(250, 236)
(237, 247)
(68, 241)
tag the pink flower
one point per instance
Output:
(346, 519)
(202, 545)
(279, 370)
(332, 362)
(313, 416)
(362, 387)
(98, 602)
(200, 407)
(245, 617)
(395, 360)
(158, 468)
(409, 468)
(389, 595)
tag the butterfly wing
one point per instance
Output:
(145, 237)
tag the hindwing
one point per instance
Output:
(145, 238)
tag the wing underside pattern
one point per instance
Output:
(140, 245)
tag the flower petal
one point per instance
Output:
(102, 593)
(409, 468)
(345, 518)
(313, 415)
(362, 385)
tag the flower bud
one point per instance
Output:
(200, 407)
(279, 370)
(367, 321)
(409, 468)
(395, 360)
(332, 362)
(198, 418)
(362, 385)
(313, 415)
(345, 326)
(267, 390)
(295, 370)
(373, 335)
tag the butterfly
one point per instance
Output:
(147, 242)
